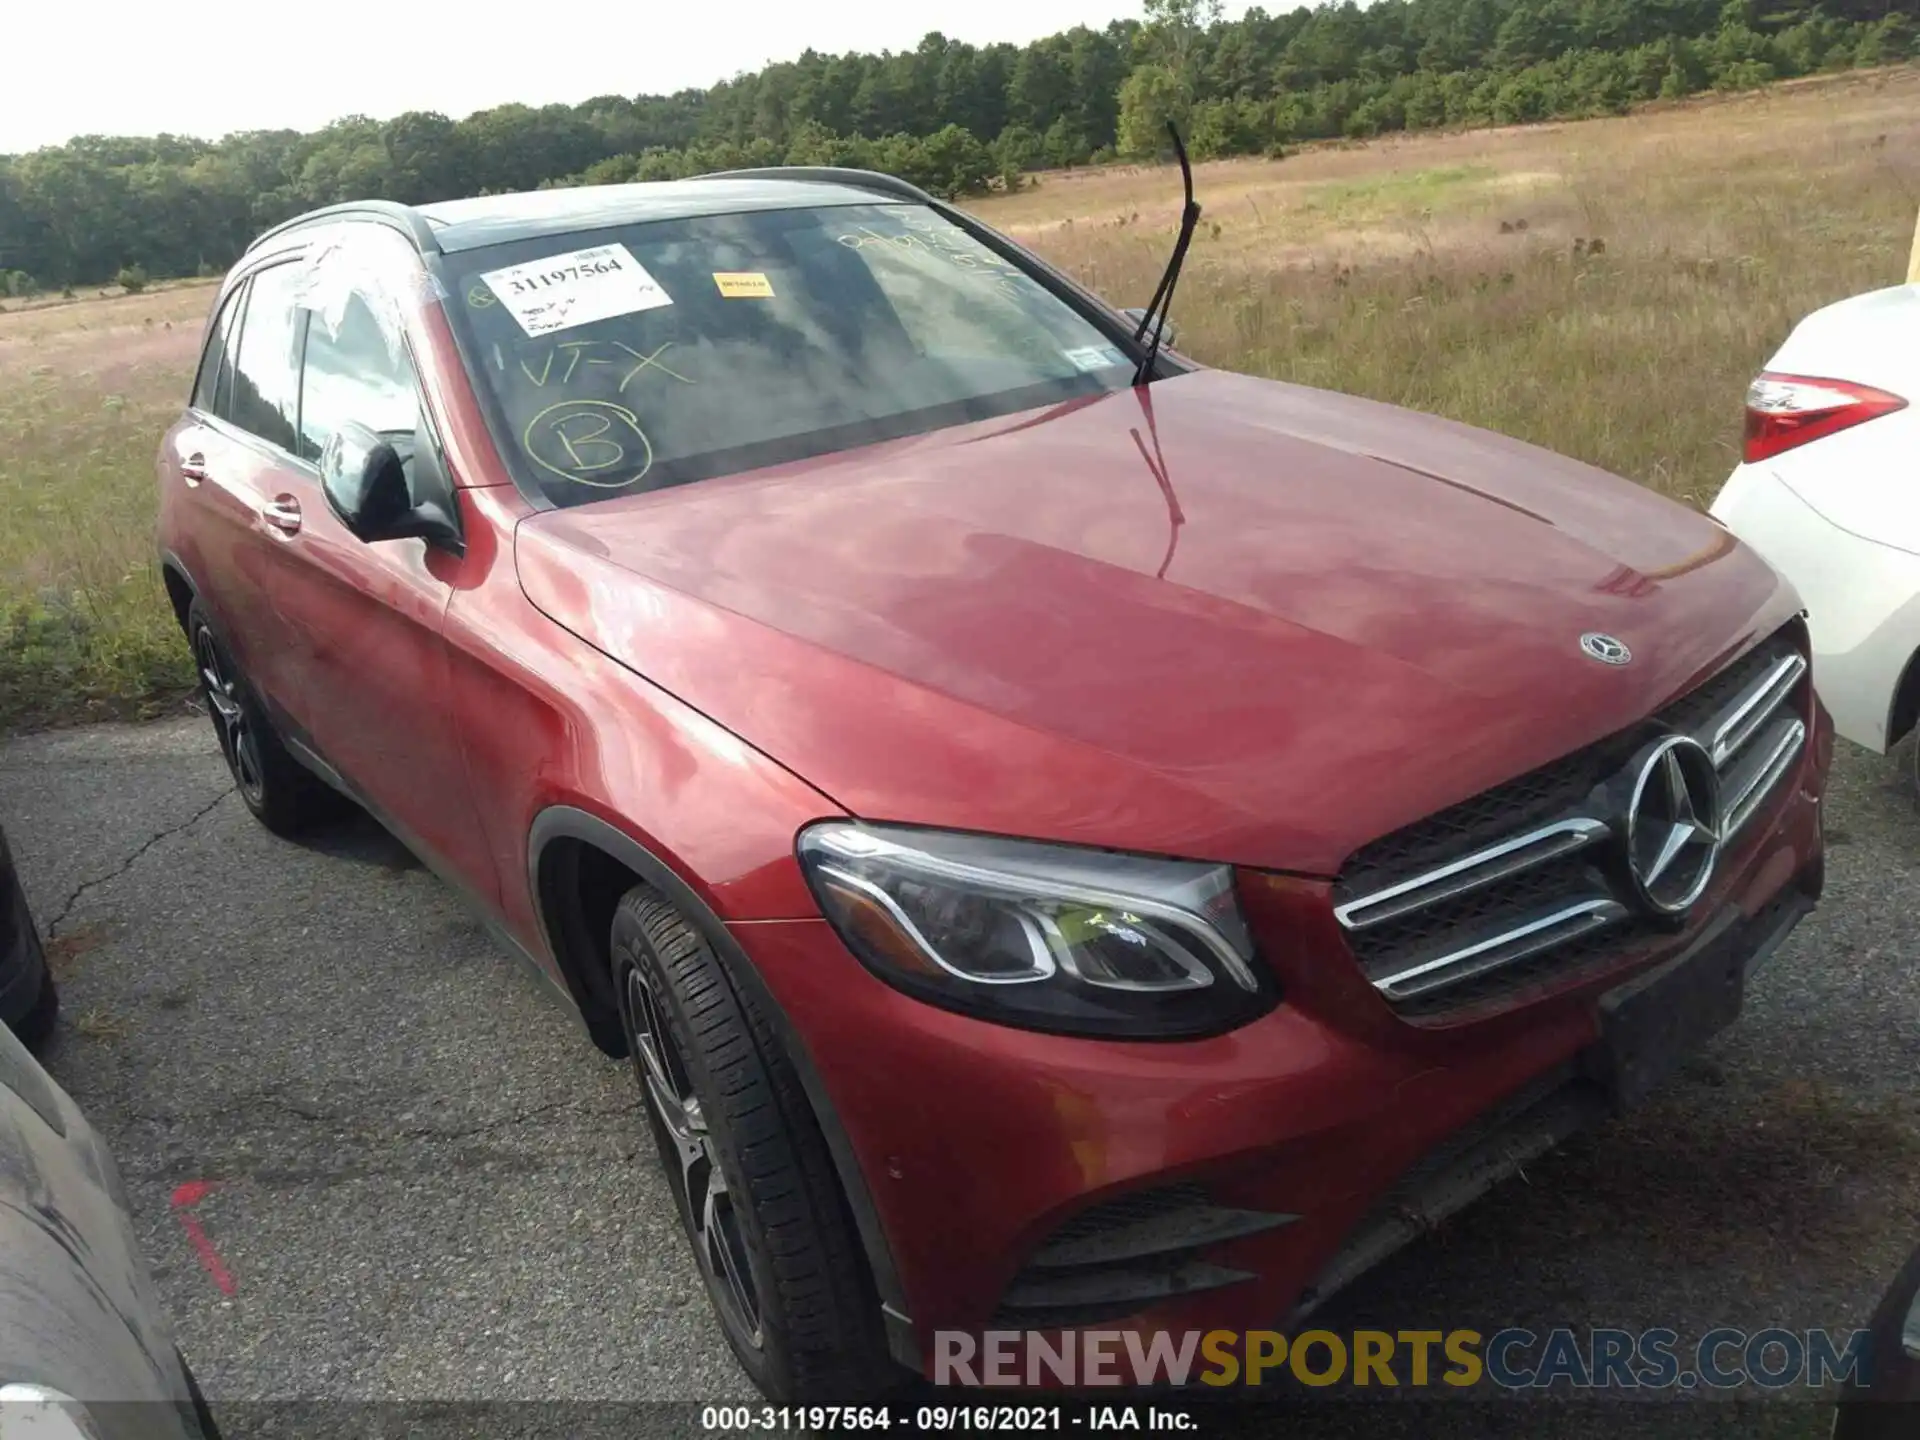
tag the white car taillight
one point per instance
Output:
(1784, 411)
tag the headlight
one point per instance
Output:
(1041, 936)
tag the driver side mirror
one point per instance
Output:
(1169, 332)
(365, 482)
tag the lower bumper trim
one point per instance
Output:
(1538, 1117)
(1529, 1124)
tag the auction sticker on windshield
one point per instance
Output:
(576, 288)
(1093, 357)
(743, 284)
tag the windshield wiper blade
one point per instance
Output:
(1156, 314)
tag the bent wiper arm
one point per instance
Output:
(1155, 317)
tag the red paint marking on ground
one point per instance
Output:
(193, 1192)
(184, 1198)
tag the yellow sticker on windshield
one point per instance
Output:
(743, 284)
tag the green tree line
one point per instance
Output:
(953, 117)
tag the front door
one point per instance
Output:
(365, 621)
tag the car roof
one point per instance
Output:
(450, 226)
(492, 219)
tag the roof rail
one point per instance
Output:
(403, 218)
(831, 175)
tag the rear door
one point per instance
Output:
(232, 460)
(187, 512)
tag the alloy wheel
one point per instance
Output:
(693, 1160)
(230, 719)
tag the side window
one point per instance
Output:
(356, 371)
(213, 386)
(266, 370)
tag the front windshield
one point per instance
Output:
(648, 355)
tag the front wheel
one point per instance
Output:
(746, 1164)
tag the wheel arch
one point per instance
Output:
(181, 591)
(567, 850)
(1904, 713)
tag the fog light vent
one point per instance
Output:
(1128, 1255)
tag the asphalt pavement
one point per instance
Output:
(371, 1159)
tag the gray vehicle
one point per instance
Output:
(86, 1352)
(28, 1001)
(1883, 1403)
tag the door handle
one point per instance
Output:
(193, 469)
(283, 514)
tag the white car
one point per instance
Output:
(1830, 493)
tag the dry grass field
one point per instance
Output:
(86, 388)
(1606, 288)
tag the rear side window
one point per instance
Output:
(266, 370)
(357, 371)
(213, 386)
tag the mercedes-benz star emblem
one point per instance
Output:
(1605, 649)
(1673, 824)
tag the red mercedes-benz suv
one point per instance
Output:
(1067, 837)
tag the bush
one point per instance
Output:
(1742, 75)
(811, 144)
(1063, 145)
(660, 164)
(956, 162)
(1884, 41)
(131, 279)
(1014, 153)
(615, 170)
(1523, 99)
(1228, 127)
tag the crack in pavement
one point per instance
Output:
(286, 1172)
(359, 1127)
(66, 909)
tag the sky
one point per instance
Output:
(224, 65)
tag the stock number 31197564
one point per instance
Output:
(928, 1418)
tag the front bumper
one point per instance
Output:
(977, 1142)
(1862, 598)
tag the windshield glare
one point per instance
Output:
(648, 355)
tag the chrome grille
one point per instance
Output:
(1525, 883)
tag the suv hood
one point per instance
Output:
(1217, 617)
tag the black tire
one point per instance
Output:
(201, 1412)
(35, 1028)
(283, 794)
(774, 1243)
